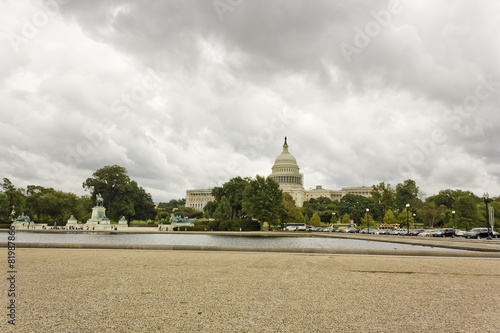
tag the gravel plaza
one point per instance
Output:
(83, 290)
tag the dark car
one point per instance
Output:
(416, 232)
(476, 233)
(445, 232)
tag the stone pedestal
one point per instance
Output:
(23, 222)
(122, 224)
(98, 220)
(72, 223)
(22, 225)
(98, 213)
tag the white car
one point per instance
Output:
(427, 233)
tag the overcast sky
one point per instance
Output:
(188, 94)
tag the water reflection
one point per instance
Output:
(216, 240)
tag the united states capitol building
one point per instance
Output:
(286, 173)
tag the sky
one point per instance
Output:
(188, 94)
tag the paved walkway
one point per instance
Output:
(66, 290)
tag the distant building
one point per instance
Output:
(286, 173)
(197, 199)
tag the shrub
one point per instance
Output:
(213, 225)
(226, 225)
(200, 227)
(247, 225)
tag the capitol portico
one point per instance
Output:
(286, 173)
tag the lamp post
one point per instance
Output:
(453, 214)
(366, 218)
(487, 199)
(407, 219)
(414, 221)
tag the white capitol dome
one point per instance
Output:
(285, 170)
(286, 173)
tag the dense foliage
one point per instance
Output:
(248, 204)
(122, 196)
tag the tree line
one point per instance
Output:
(261, 199)
(122, 197)
(258, 198)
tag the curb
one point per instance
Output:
(469, 254)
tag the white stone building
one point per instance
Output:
(286, 173)
(197, 199)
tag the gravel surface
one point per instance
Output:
(61, 290)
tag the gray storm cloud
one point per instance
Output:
(188, 94)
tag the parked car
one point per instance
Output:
(477, 233)
(427, 233)
(396, 232)
(400, 232)
(416, 232)
(444, 232)
(459, 232)
(351, 230)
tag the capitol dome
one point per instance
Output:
(285, 157)
(286, 170)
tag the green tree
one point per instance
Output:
(122, 195)
(291, 213)
(367, 221)
(209, 209)
(144, 207)
(223, 210)
(389, 217)
(15, 200)
(322, 206)
(346, 219)
(383, 196)
(448, 198)
(356, 206)
(5, 209)
(34, 203)
(466, 212)
(430, 213)
(315, 220)
(169, 206)
(233, 191)
(110, 182)
(407, 193)
(404, 220)
(58, 205)
(83, 209)
(262, 199)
